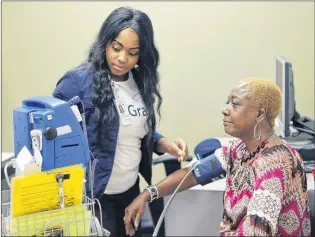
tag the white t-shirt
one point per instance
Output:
(132, 129)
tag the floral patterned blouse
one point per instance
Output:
(267, 196)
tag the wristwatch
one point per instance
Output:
(154, 193)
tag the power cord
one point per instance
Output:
(10, 163)
(83, 121)
(92, 166)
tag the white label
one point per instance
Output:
(63, 130)
(49, 117)
(76, 112)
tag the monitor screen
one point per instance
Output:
(284, 79)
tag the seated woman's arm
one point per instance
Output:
(165, 187)
(262, 216)
(207, 170)
(265, 205)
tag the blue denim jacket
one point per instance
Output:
(78, 82)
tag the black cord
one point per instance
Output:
(305, 130)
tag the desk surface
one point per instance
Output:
(219, 185)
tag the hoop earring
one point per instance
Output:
(257, 138)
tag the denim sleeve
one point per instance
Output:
(157, 137)
(67, 87)
(209, 169)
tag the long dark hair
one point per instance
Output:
(145, 75)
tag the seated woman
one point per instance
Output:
(266, 193)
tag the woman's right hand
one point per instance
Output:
(134, 212)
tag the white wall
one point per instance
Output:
(205, 48)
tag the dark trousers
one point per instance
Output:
(113, 211)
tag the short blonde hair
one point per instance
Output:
(264, 93)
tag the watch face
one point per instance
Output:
(153, 192)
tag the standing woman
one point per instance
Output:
(119, 87)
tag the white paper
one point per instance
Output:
(31, 169)
(24, 157)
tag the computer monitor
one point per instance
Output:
(284, 79)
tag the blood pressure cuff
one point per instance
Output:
(210, 168)
(207, 147)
